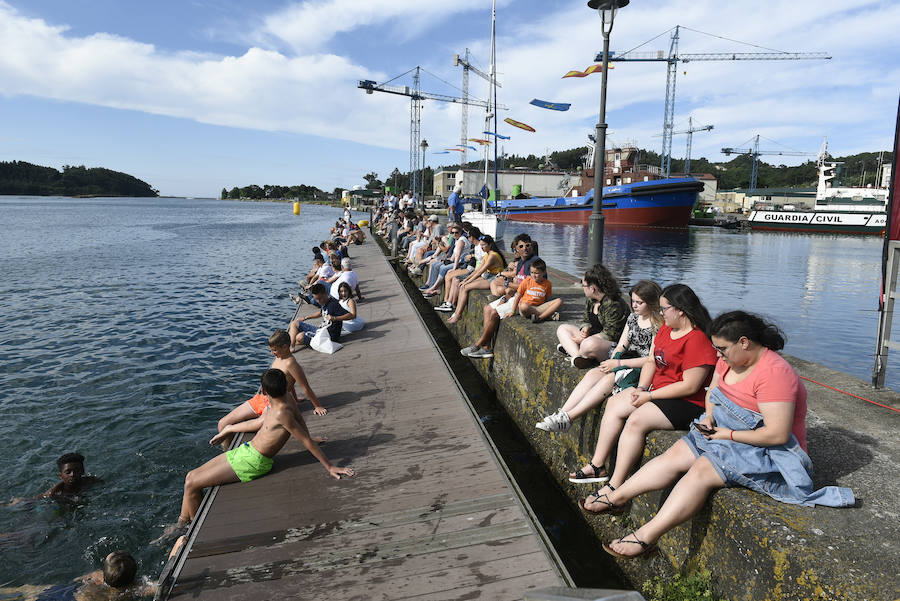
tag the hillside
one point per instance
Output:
(19, 177)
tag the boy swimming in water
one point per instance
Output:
(254, 459)
(71, 475)
(280, 346)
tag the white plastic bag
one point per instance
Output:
(323, 343)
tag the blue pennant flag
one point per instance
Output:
(484, 193)
(553, 106)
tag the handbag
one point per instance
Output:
(323, 343)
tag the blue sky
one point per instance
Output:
(196, 95)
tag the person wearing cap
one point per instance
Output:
(345, 275)
(432, 232)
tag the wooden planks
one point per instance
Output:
(429, 515)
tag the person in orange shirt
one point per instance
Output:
(531, 301)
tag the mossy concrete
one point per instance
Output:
(754, 547)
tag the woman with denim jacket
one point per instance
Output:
(753, 434)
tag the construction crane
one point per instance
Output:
(415, 113)
(690, 134)
(755, 152)
(672, 59)
(467, 66)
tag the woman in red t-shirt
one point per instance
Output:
(669, 396)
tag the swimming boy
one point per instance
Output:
(254, 459)
(71, 476)
(280, 346)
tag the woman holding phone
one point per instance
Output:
(753, 434)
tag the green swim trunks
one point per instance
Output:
(248, 463)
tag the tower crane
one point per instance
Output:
(672, 59)
(755, 152)
(690, 134)
(467, 66)
(415, 113)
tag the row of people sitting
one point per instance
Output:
(665, 364)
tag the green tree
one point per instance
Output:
(224, 194)
(235, 193)
(372, 181)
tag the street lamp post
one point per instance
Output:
(424, 147)
(607, 10)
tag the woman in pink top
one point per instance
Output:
(753, 434)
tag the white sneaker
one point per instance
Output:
(559, 422)
(544, 424)
(466, 352)
(445, 307)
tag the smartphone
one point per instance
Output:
(702, 428)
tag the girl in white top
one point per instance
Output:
(345, 299)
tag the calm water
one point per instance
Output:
(128, 327)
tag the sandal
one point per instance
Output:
(646, 549)
(611, 508)
(599, 475)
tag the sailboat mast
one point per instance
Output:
(494, 85)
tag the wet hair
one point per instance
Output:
(69, 458)
(649, 292)
(343, 286)
(736, 324)
(119, 569)
(279, 338)
(685, 300)
(317, 288)
(539, 264)
(492, 246)
(603, 279)
(274, 383)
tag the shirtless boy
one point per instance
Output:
(252, 410)
(71, 476)
(254, 459)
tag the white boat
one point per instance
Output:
(841, 210)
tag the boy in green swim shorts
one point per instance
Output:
(254, 459)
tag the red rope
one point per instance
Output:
(848, 393)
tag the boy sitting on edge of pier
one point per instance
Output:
(531, 301)
(252, 409)
(254, 459)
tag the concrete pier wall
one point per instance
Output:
(754, 547)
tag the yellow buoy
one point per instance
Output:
(296, 208)
(363, 223)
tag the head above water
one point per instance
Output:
(274, 383)
(119, 569)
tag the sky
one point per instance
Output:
(193, 96)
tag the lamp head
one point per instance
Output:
(607, 4)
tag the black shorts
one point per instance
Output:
(679, 412)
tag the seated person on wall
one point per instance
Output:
(470, 261)
(438, 250)
(752, 434)
(605, 314)
(669, 395)
(480, 278)
(254, 459)
(531, 301)
(417, 249)
(438, 270)
(621, 371)
(525, 252)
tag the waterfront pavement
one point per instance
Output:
(430, 514)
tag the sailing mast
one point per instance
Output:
(494, 85)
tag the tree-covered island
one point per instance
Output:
(26, 179)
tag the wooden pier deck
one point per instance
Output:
(430, 514)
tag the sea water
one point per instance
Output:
(128, 327)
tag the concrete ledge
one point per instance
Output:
(754, 547)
